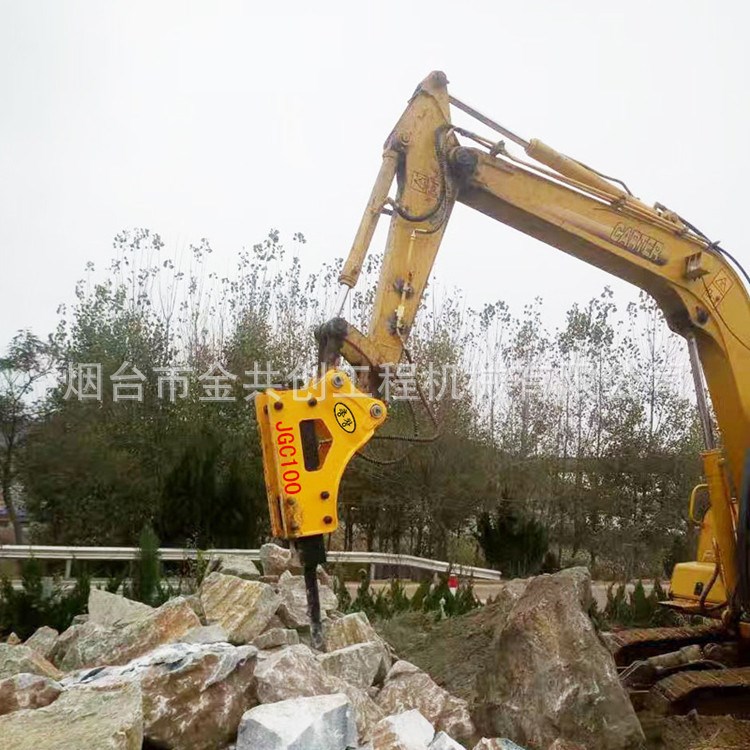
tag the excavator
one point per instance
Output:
(310, 434)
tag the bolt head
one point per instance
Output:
(376, 411)
(312, 401)
(278, 406)
(327, 520)
(337, 381)
(325, 495)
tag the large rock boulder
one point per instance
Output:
(548, 674)
(81, 719)
(405, 731)
(294, 672)
(110, 610)
(242, 608)
(27, 691)
(407, 687)
(276, 637)
(18, 659)
(68, 638)
(361, 664)
(319, 723)
(293, 607)
(348, 630)
(97, 646)
(275, 560)
(193, 695)
(43, 641)
(238, 565)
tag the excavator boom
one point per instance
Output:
(576, 209)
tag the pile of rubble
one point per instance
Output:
(231, 667)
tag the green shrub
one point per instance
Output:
(40, 602)
(393, 599)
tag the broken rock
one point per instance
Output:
(242, 608)
(350, 629)
(318, 723)
(109, 610)
(407, 687)
(194, 695)
(27, 691)
(405, 731)
(294, 672)
(496, 743)
(360, 664)
(548, 676)
(443, 742)
(206, 634)
(84, 719)
(43, 641)
(19, 659)
(276, 637)
(238, 565)
(293, 607)
(112, 646)
(275, 560)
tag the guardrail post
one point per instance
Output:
(372, 571)
(69, 568)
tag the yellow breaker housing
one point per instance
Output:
(308, 436)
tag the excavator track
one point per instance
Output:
(628, 646)
(713, 692)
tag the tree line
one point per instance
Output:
(549, 445)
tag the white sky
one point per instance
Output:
(225, 119)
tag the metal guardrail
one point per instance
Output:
(172, 554)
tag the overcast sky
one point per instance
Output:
(224, 119)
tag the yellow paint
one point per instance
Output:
(574, 209)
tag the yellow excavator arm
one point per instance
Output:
(571, 207)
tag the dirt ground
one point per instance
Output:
(452, 651)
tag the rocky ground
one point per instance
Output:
(232, 668)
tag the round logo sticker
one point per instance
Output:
(344, 417)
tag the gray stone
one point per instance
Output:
(43, 641)
(407, 687)
(293, 607)
(360, 664)
(238, 565)
(548, 675)
(80, 719)
(408, 730)
(194, 695)
(22, 659)
(276, 637)
(348, 630)
(496, 743)
(275, 560)
(317, 723)
(69, 637)
(206, 634)
(110, 610)
(27, 691)
(242, 608)
(294, 672)
(99, 646)
(443, 742)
